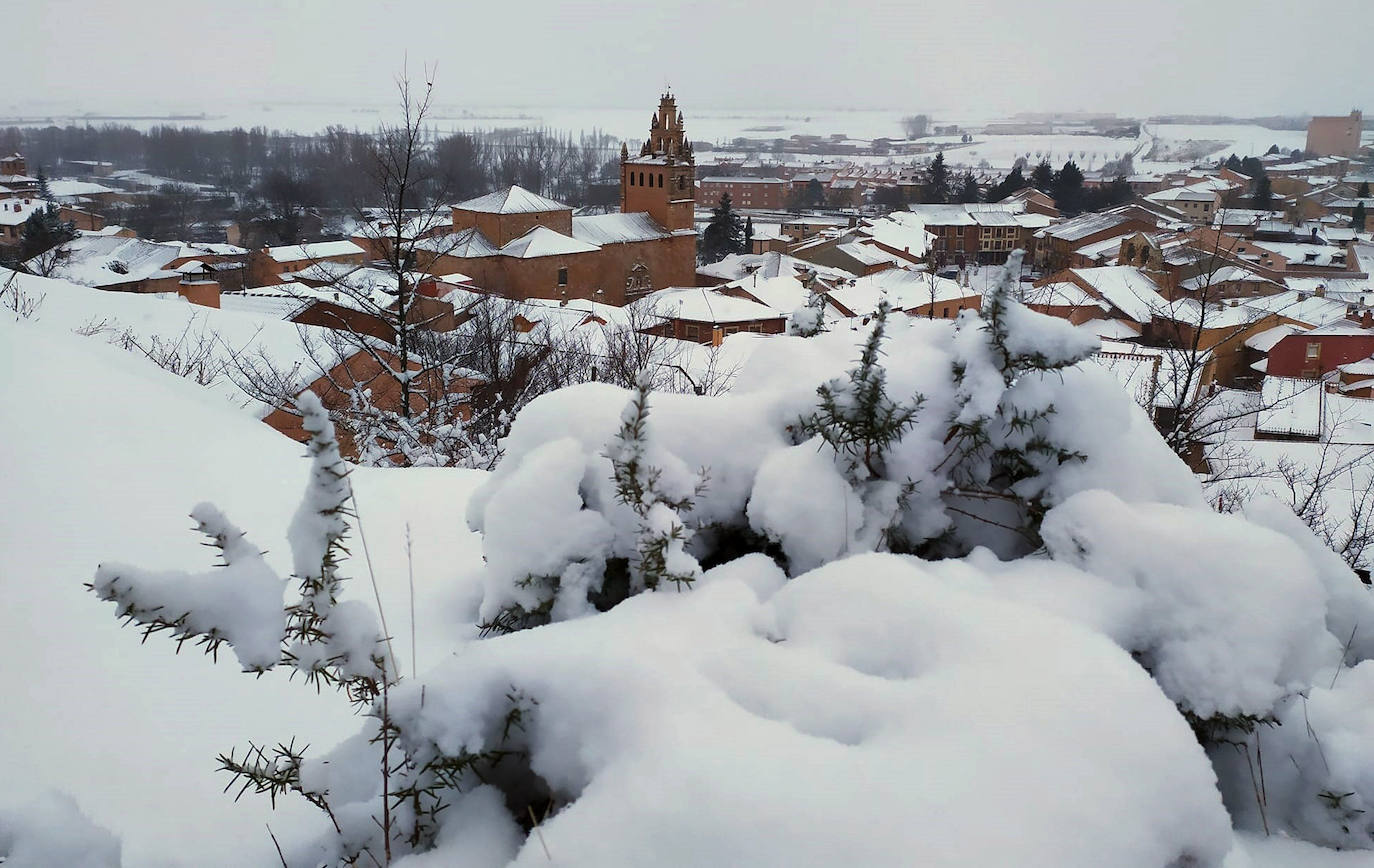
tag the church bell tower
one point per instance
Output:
(661, 180)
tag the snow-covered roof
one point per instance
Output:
(543, 241)
(1364, 367)
(903, 288)
(1084, 225)
(102, 260)
(15, 210)
(900, 230)
(1324, 255)
(63, 188)
(1264, 341)
(1062, 293)
(1300, 307)
(512, 200)
(1290, 406)
(1225, 274)
(274, 306)
(318, 250)
(772, 264)
(706, 305)
(617, 228)
(464, 244)
(1127, 288)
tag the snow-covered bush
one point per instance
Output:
(940, 577)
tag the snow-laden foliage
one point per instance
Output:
(52, 831)
(946, 586)
(238, 602)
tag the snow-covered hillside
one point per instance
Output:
(105, 454)
(827, 705)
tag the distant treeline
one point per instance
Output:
(283, 172)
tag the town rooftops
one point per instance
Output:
(512, 200)
(1083, 226)
(16, 210)
(318, 250)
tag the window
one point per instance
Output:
(562, 277)
(945, 313)
(756, 328)
(1314, 349)
(693, 332)
(641, 179)
(730, 330)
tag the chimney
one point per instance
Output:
(1320, 291)
(1367, 319)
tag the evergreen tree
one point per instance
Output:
(1068, 189)
(1010, 184)
(859, 421)
(815, 193)
(45, 230)
(937, 180)
(1042, 176)
(44, 191)
(1273, 149)
(1364, 190)
(968, 188)
(1263, 197)
(889, 197)
(724, 234)
(1233, 163)
(1003, 446)
(1252, 166)
(748, 235)
(660, 557)
(1358, 217)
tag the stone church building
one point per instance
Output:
(522, 245)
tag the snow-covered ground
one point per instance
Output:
(878, 710)
(104, 456)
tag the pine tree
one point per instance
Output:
(660, 557)
(44, 191)
(859, 421)
(937, 180)
(968, 188)
(1358, 217)
(748, 235)
(724, 234)
(1233, 163)
(1068, 189)
(1001, 445)
(1013, 182)
(1263, 196)
(1042, 176)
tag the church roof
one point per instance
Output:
(543, 241)
(614, 228)
(512, 200)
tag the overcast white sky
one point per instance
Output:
(1239, 57)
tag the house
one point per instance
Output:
(269, 265)
(1320, 351)
(980, 233)
(745, 192)
(1291, 408)
(1035, 202)
(737, 266)
(1121, 292)
(1199, 202)
(915, 293)
(704, 315)
(1057, 243)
